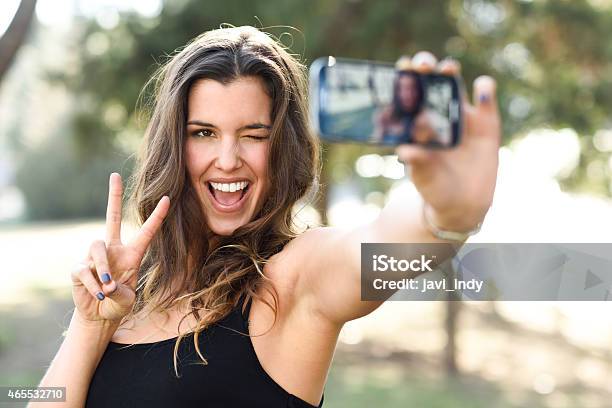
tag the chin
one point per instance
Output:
(224, 228)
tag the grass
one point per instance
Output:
(377, 385)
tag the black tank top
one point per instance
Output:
(142, 375)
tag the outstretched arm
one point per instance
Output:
(455, 185)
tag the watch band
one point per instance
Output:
(445, 234)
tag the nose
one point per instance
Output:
(228, 156)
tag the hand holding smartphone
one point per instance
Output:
(378, 103)
(449, 145)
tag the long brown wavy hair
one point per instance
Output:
(186, 261)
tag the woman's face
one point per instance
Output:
(228, 137)
(408, 92)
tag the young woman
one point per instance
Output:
(165, 319)
(394, 122)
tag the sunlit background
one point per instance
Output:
(68, 117)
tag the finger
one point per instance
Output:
(403, 63)
(413, 154)
(485, 98)
(113, 209)
(151, 225)
(449, 66)
(122, 295)
(97, 252)
(83, 275)
(424, 62)
(486, 109)
(452, 67)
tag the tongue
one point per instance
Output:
(227, 198)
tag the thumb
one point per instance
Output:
(484, 120)
(485, 94)
(413, 154)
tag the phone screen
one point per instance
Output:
(371, 102)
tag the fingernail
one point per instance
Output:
(106, 278)
(484, 98)
(100, 296)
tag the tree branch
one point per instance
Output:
(15, 35)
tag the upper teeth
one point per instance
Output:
(231, 187)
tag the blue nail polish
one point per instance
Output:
(100, 296)
(106, 278)
(484, 98)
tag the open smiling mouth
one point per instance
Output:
(228, 197)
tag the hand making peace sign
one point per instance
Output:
(104, 284)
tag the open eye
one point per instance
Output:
(203, 133)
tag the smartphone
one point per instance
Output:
(374, 103)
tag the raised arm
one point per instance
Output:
(103, 292)
(455, 187)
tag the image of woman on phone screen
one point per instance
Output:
(393, 124)
(219, 300)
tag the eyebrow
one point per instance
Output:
(252, 126)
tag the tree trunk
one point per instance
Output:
(453, 307)
(15, 35)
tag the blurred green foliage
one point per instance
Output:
(59, 183)
(554, 55)
(551, 58)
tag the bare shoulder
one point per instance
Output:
(296, 270)
(291, 272)
(320, 271)
(290, 265)
(294, 345)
